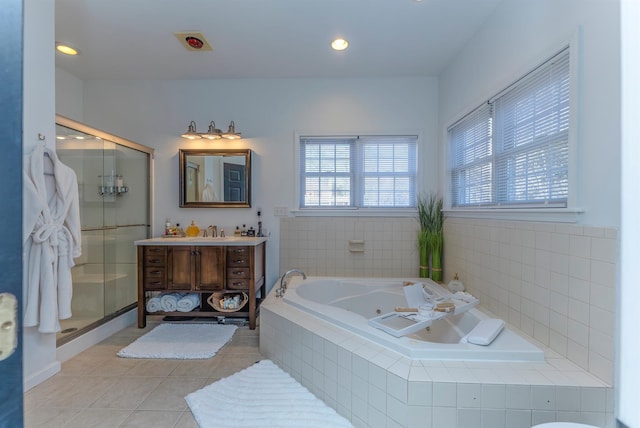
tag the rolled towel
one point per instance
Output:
(188, 302)
(169, 301)
(153, 304)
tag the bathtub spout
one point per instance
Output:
(283, 280)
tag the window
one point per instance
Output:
(358, 172)
(513, 151)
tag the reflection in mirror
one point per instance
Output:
(215, 178)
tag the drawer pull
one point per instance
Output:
(155, 272)
(155, 283)
(154, 261)
(155, 250)
(239, 250)
(239, 261)
(238, 272)
(237, 283)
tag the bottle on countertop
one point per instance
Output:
(251, 231)
(179, 231)
(167, 227)
(193, 230)
(237, 232)
(244, 230)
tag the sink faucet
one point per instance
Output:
(214, 231)
(283, 281)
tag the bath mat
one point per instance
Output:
(180, 342)
(260, 396)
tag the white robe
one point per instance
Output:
(51, 238)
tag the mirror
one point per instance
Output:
(215, 178)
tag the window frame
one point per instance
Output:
(545, 213)
(297, 210)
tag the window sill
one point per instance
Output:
(554, 215)
(354, 212)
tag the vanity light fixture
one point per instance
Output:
(231, 134)
(339, 44)
(191, 133)
(212, 133)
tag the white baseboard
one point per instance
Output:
(40, 376)
(95, 336)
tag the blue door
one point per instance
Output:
(11, 212)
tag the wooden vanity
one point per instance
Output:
(204, 266)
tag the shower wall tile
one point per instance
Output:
(555, 282)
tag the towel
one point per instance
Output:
(188, 302)
(169, 301)
(154, 305)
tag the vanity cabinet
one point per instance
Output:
(202, 266)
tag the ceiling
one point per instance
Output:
(133, 39)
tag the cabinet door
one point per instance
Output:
(209, 268)
(180, 273)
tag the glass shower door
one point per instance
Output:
(114, 186)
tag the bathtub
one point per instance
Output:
(350, 302)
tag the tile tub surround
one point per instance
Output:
(320, 246)
(555, 282)
(374, 386)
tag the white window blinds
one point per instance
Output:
(358, 172)
(515, 151)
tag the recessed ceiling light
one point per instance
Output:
(339, 44)
(66, 49)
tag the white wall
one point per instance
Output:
(39, 350)
(268, 113)
(517, 37)
(556, 282)
(68, 95)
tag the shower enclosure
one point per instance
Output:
(114, 185)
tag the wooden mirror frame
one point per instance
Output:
(192, 159)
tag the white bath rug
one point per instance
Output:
(180, 341)
(262, 395)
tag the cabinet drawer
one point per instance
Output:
(238, 257)
(237, 284)
(238, 273)
(155, 256)
(155, 278)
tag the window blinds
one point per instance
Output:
(358, 172)
(514, 150)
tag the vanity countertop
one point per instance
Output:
(199, 240)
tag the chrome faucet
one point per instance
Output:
(214, 231)
(283, 281)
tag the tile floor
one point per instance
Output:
(99, 389)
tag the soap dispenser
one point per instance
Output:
(193, 230)
(455, 284)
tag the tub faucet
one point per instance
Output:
(283, 281)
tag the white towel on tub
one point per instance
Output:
(188, 302)
(154, 304)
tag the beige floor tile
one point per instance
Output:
(151, 419)
(187, 421)
(99, 389)
(169, 395)
(98, 418)
(127, 393)
(48, 418)
(153, 368)
(78, 391)
(196, 368)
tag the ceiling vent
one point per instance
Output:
(193, 41)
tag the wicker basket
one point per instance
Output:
(214, 300)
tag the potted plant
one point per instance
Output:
(430, 236)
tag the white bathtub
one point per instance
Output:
(350, 302)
